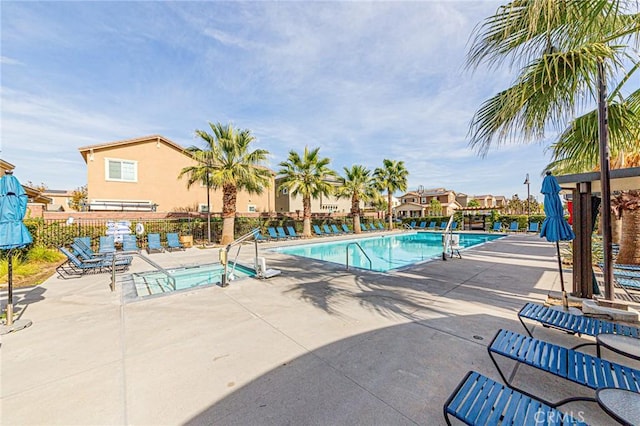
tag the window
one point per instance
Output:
(424, 200)
(285, 191)
(251, 208)
(202, 208)
(121, 170)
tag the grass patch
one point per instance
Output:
(32, 268)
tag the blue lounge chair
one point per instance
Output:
(292, 232)
(534, 227)
(153, 244)
(326, 229)
(380, 226)
(317, 231)
(346, 229)
(363, 227)
(432, 225)
(281, 234)
(130, 243)
(74, 267)
(83, 251)
(478, 400)
(443, 225)
(578, 367)
(423, 225)
(272, 233)
(86, 241)
(574, 324)
(335, 229)
(372, 227)
(497, 227)
(514, 226)
(173, 242)
(107, 245)
(454, 226)
(412, 225)
(258, 236)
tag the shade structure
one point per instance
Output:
(555, 228)
(13, 233)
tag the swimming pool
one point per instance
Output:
(156, 282)
(386, 251)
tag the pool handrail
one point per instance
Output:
(225, 250)
(363, 252)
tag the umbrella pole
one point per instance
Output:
(9, 319)
(565, 301)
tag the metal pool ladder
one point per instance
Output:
(363, 252)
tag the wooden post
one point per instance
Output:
(582, 260)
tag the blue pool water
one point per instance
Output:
(386, 252)
(155, 282)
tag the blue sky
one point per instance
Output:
(363, 81)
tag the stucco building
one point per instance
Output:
(142, 175)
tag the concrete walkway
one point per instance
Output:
(316, 345)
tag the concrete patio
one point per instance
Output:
(316, 345)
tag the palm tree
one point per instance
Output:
(565, 49)
(228, 162)
(306, 176)
(391, 177)
(358, 185)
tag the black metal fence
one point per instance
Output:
(59, 232)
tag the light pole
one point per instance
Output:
(420, 192)
(526, 182)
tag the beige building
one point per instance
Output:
(286, 202)
(142, 175)
(60, 200)
(490, 201)
(418, 203)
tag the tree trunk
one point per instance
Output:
(630, 238)
(616, 229)
(306, 215)
(355, 211)
(229, 193)
(389, 210)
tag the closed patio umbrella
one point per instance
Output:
(555, 228)
(13, 233)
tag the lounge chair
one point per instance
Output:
(626, 273)
(363, 227)
(281, 234)
(346, 229)
(578, 367)
(173, 242)
(534, 227)
(443, 225)
(272, 233)
(130, 243)
(257, 235)
(497, 227)
(317, 231)
(380, 226)
(432, 225)
(478, 400)
(412, 225)
(574, 324)
(326, 229)
(107, 244)
(372, 227)
(335, 229)
(153, 244)
(514, 226)
(83, 251)
(454, 226)
(85, 241)
(423, 225)
(74, 267)
(292, 232)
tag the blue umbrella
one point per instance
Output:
(13, 233)
(555, 228)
